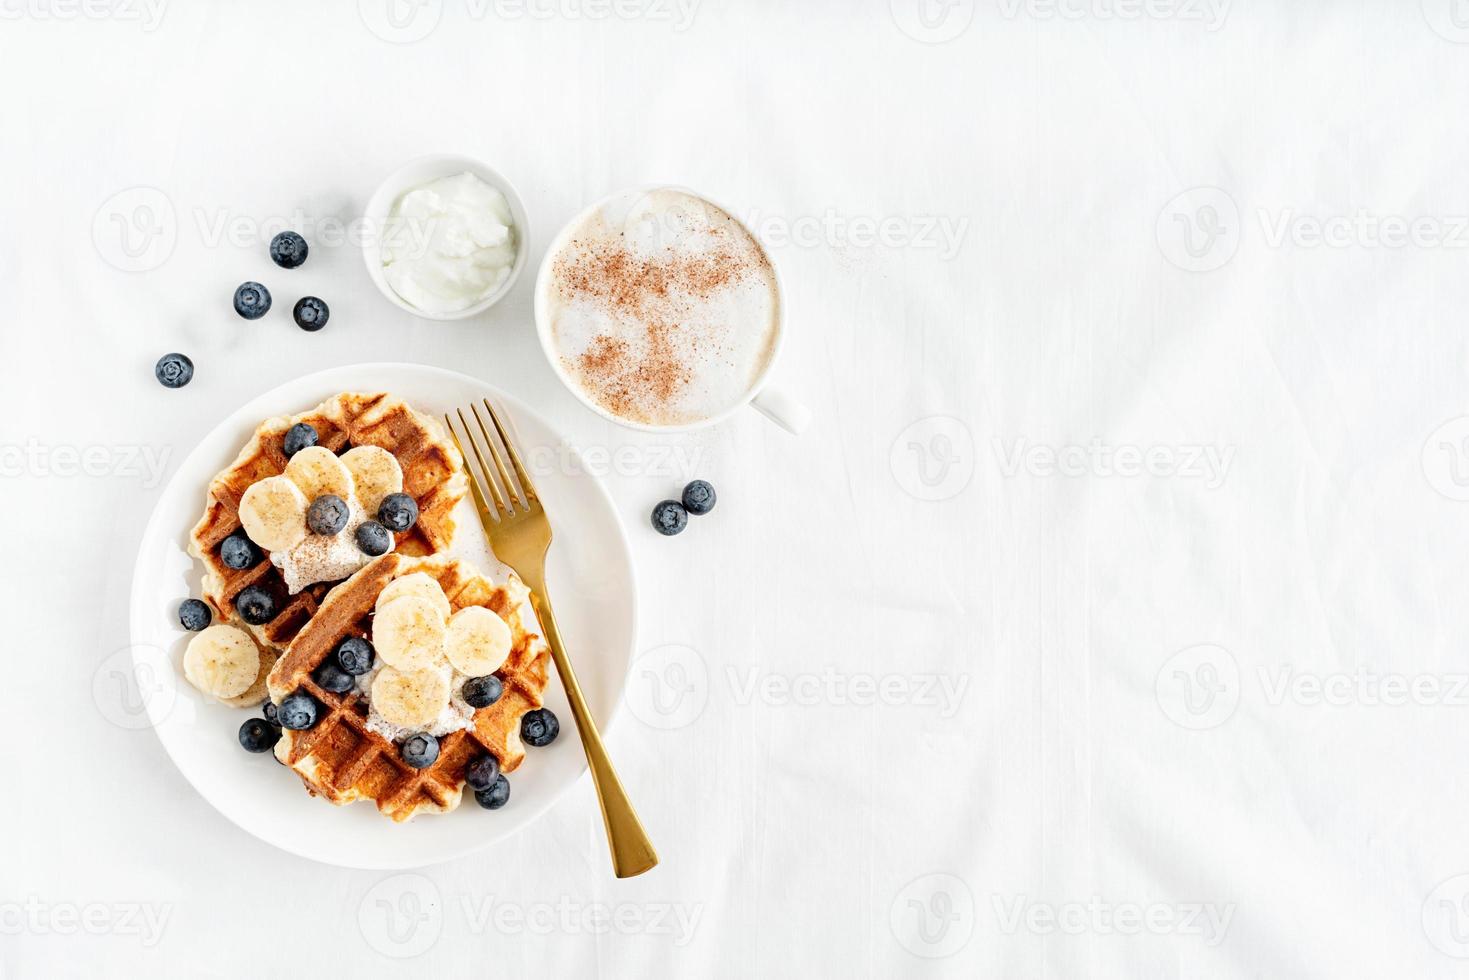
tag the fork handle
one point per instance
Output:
(632, 852)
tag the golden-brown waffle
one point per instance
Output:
(341, 759)
(433, 474)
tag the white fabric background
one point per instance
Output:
(1120, 752)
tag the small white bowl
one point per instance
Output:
(416, 173)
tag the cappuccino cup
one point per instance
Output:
(661, 311)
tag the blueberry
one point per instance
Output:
(255, 605)
(311, 313)
(482, 773)
(288, 250)
(252, 300)
(333, 678)
(298, 711)
(481, 692)
(194, 614)
(355, 656)
(420, 750)
(494, 797)
(398, 512)
(539, 727)
(328, 514)
(269, 710)
(238, 552)
(373, 539)
(698, 498)
(174, 370)
(258, 735)
(298, 437)
(669, 517)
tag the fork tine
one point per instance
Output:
(525, 484)
(489, 480)
(495, 455)
(474, 488)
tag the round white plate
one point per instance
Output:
(589, 572)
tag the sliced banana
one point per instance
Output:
(222, 661)
(409, 633)
(416, 584)
(273, 512)
(477, 641)
(410, 698)
(316, 470)
(258, 691)
(375, 474)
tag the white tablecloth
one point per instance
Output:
(1107, 622)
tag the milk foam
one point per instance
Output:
(662, 308)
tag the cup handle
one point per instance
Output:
(782, 409)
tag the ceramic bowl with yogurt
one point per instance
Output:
(445, 237)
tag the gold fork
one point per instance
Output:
(519, 534)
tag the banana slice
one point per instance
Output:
(476, 641)
(316, 470)
(417, 584)
(410, 698)
(274, 513)
(409, 633)
(222, 661)
(258, 691)
(375, 473)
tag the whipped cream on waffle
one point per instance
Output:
(456, 716)
(325, 557)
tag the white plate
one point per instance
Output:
(589, 572)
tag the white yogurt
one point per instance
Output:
(325, 557)
(452, 243)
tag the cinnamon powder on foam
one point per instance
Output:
(654, 292)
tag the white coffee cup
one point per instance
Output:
(771, 402)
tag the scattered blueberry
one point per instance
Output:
(335, 679)
(194, 614)
(259, 735)
(398, 512)
(328, 514)
(420, 750)
(238, 552)
(669, 517)
(481, 692)
(494, 797)
(270, 713)
(298, 711)
(539, 727)
(373, 539)
(288, 250)
(698, 498)
(252, 300)
(311, 313)
(482, 772)
(355, 656)
(255, 605)
(298, 437)
(174, 370)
